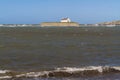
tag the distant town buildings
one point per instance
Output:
(65, 20)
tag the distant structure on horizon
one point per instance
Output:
(65, 20)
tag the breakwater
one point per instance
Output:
(59, 24)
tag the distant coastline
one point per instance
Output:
(19, 25)
(65, 22)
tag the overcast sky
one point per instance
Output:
(37, 11)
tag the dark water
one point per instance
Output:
(34, 53)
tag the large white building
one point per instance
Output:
(65, 20)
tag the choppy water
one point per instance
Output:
(34, 53)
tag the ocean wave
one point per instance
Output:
(4, 71)
(63, 72)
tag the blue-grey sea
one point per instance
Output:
(59, 53)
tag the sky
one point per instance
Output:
(37, 11)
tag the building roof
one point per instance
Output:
(64, 18)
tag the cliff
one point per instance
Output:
(59, 24)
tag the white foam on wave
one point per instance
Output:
(4, 71)
(34, 74)
(5, 77)
(117, 68)
(70, 70)
(60, 71)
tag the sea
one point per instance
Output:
(59, 53)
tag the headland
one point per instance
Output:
(65, 22)
(59, 24)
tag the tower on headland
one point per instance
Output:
(65, 20)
